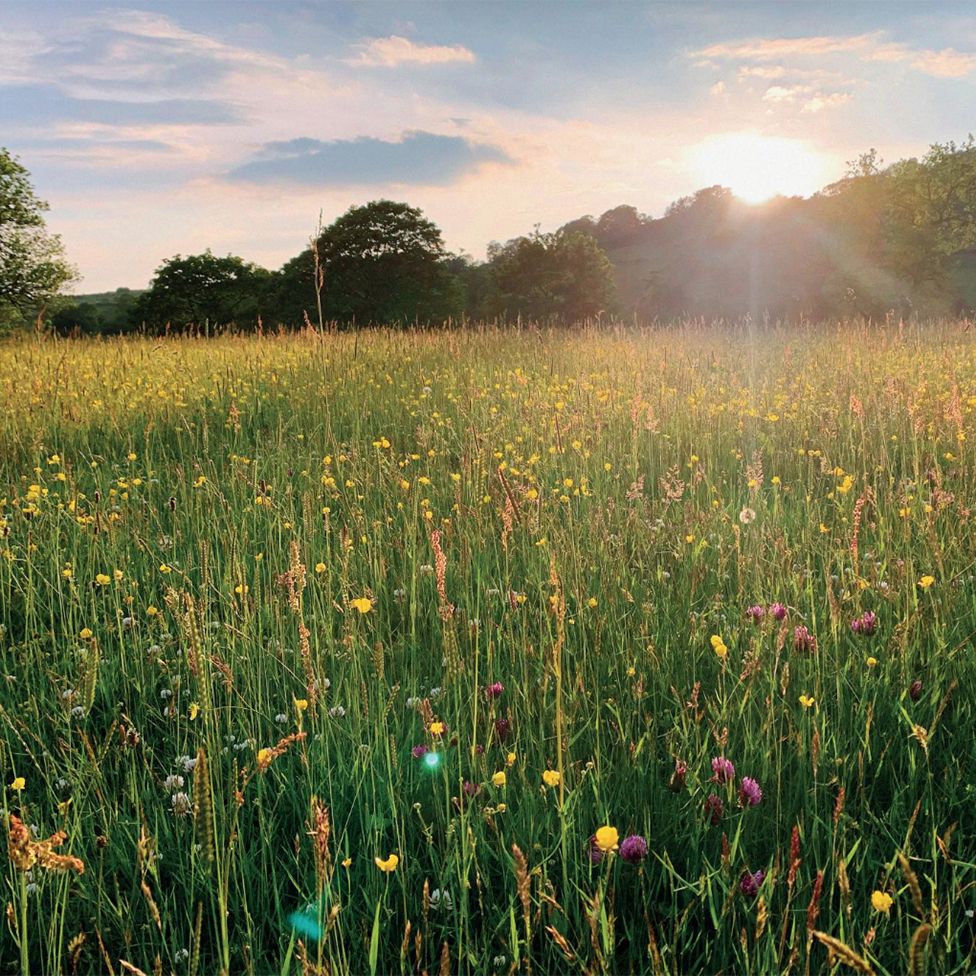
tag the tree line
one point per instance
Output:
(898, 238)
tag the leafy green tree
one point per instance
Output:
(380, 263)
(76, 317)
(563, 276)
(33, 268)
(203, 290)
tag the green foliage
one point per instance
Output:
(203, 291)
(32, 265)
(564, 276)
(380, 263)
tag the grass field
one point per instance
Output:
(363, 653)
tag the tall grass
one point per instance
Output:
(241, 579)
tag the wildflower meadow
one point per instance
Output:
(595, 650)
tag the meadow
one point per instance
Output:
(620, 651)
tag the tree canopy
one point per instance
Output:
(380, 263)
(203, 290)
(33, 269)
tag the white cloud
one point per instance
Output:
(819, 101)
(946, 63)
(389, 52)
(717, 89)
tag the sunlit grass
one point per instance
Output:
(339, 651)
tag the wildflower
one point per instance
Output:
(194, 711)
(301, 704)
(866, 624)
(606, 839)
(494, 690)
(747, 516)
(750, 883)
(750, 793)
(872, 662)
(18, 784)
(915, 690)
(756, 613)
(437, 728)
(264, 757)
(510, 759)
(803, 640)
(551, 777)
(419, 751)
(151, 611)
(320, 568)
(102, 579)
(363, 604)
(722, 770)
(388, 865)
(633, 849)
(499, 778)
(926, 581)
(807, 701)
(592, 602)
(347, 862)
(778, 612)
(441, 899)
(173, 782)
(881, 901)
(718, 646)
(86, 633)
(502, 728)
(677, 782)
(714, 807)
(471, 789)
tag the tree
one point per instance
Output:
(562, 276)
(201, 290)
(32, 265)
(381, 263)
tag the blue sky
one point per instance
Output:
(162, 128)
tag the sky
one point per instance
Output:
(154, 129)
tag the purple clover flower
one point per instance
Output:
(418, 752)
(778, 612)
(633, 849)
(866, 624)
(756, 612)
(494, 690)
(750, 793)
(714, 807)
(750, 883)
(722, 770)
(803, 640)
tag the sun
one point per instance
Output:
(756, 167)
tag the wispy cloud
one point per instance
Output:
(419, 158)
(874, 46)
(390, 52)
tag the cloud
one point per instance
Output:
(767, 74)
(819, 102)
(717, 89)
(946, 63)
(46, 105)
(389, 52)
(419, 158)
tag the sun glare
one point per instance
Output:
(756, 167)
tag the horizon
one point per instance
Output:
(161, 128)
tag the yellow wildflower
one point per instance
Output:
(363, 604)
(499, 778)
(606, 839)
(550, 777)
(881, 901)
(388, 865)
